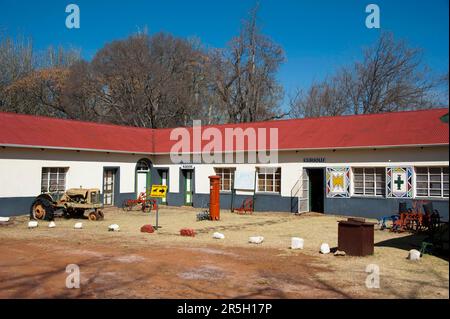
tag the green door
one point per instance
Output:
(188, 187)
(164, 182)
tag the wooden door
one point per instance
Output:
(108, 186)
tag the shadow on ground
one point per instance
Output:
(414, 241)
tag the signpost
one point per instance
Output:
(158, 191)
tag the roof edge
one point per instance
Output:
(223, 152)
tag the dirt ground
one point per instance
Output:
(131, 264)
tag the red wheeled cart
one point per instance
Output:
(147, 205)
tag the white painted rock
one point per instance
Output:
(339, 253)
(414, 254)
(217, 235)
(113, 227)
(78, 226)
(297, 243)
(51, 225)
(32, 224)
(324, 248)
(4, 219)
(256, 239)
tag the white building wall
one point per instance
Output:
(292, 163)
(20, 169)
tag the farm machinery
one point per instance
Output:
(146, 204)
(73, 203)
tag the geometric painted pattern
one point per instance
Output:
(399, 182)
(338, 182)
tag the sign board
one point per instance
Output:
(314, 160)
(244, 179)
(158, 191)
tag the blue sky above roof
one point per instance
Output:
(317, 36)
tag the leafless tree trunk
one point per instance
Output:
(390, 77)
(244, 75)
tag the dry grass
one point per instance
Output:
(400, 278)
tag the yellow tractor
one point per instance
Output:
(74, 203)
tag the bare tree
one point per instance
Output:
(322, 99)
(81, 94)
(390, 77)
(32, 82)
(244, 75)
(16, 61)
(148, 81)
(38, 93)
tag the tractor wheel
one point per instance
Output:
(101, 215)
(96, 215)
(41, 209)
(93, 216)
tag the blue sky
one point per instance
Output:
(318, 36)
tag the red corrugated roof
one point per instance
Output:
(375, 130)
(38, 131)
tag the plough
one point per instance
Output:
(147, 205)
(413, 219)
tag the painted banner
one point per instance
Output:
(399, 182)
(338, 182)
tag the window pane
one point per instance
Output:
(422, 185)
(422, 192)
(369, 181)
(422, 178)
(269, 179)
(435, 178)
(261, 185)
(370, 185)
(435, 170)
(53, 179)
(434, 192)
(359, 185)
(421, 170)
(435, 185)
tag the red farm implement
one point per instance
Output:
(246, 208)
(146, 205)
